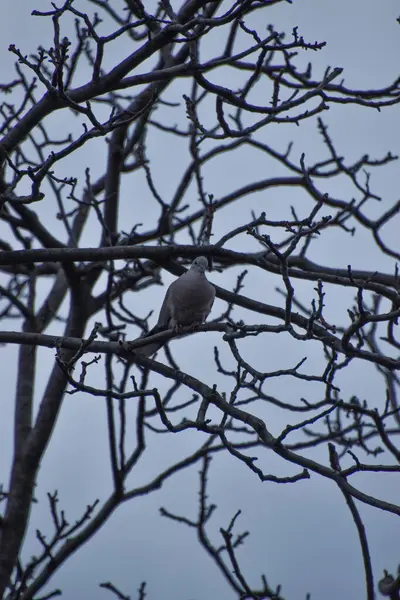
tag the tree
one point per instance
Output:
(141, 136)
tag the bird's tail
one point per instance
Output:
(152, 347)
(148, 349)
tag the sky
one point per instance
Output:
(302, 535)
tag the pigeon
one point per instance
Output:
(188, 301)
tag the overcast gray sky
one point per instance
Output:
(302, 535)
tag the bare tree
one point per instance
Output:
(202, 82)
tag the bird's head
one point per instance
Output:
(200, 264)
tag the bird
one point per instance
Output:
(187, 302)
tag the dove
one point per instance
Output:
(188, 301)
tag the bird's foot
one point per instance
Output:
(177, 328)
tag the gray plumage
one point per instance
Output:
(188, 301)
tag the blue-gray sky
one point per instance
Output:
(302, 535)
